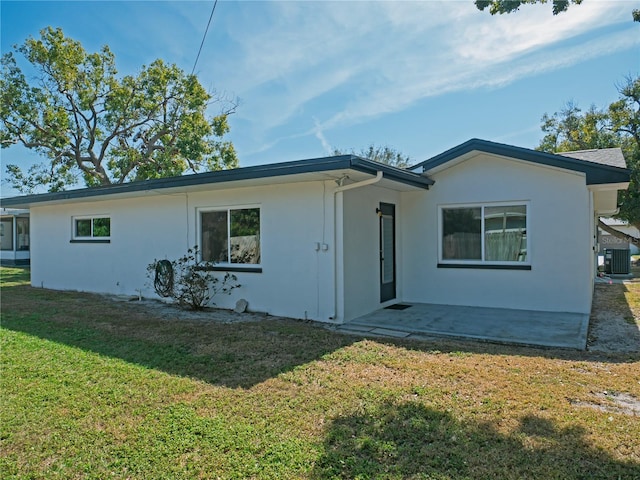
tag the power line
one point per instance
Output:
(204, 36)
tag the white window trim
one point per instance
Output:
(228, 208)
(482, 206)
(92, 218)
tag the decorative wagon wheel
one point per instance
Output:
(163, 281)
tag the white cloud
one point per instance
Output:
(320, 136)
(305, 68)
(414, 86)
(310, 50)
(374, 58)
(502, 38)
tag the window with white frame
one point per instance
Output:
(484, 234)
(231, 235)
(92, 228)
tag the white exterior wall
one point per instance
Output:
(320, 249)
(296, 280)
(361, 262)
(142, 229)
(559, 229)
(14, 255)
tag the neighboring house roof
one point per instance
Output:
(13, 211)
(301, 168)
(604, 156)
(596, 172)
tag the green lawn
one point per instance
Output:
(93, 388)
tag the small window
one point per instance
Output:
(231, 236)
(484, 234)
(92, 228)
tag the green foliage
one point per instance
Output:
(571, 129)
(382, 154)
(14, 276)
(95, 388)
(102, 227)
(245, 221)
(616, 126)
(83, 227)
(624, 115)
(510, 6)
(461, 220)
(88, 122)
(192, 283)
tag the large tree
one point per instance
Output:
(618, 125)
(510, 6)
(382, 154)
(71, 107)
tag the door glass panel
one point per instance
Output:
(387, 249)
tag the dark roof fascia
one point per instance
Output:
(238, 174)
(596, 173)
(392, 173)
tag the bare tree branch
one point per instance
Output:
(618, 234)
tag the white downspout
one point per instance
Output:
(593, 234)
(364, 183)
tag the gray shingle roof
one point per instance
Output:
(604, 156)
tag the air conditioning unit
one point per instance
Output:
(617, 261)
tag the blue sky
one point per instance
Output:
(419, 76)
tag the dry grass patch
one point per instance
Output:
(615, 318)
(93, 388)
(631, 293)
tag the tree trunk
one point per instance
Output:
(618, 234)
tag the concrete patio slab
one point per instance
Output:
(523, 327)
(390, 333)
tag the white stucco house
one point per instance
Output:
(331, 239)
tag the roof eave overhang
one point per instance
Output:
(392, 173)
(595, 173)
(235, 178)
(601, 187)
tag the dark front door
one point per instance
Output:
(387, 214)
